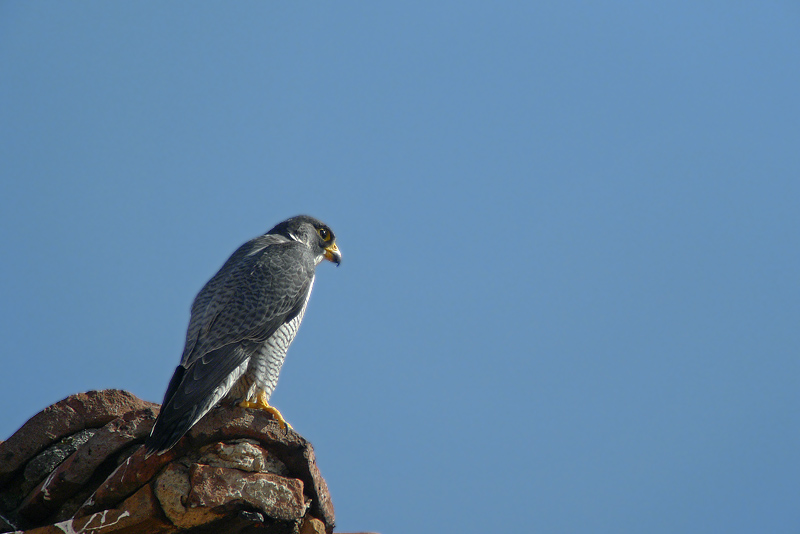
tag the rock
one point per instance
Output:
(79, 466)
(244, 454)
(5, 525)
(312, 525)
(73, 414)
(230, 422)
(139, 514)
(126, 479)
(276, 496)
(171, 489)
(47, 460)
(107, 441)
(201, 493)
(96, 446)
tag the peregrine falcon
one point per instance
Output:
(242, 323)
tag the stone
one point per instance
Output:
(172, 489)
(73, 414)
(72, 474)
(231, 422)
(126, 479)
(137, 515)
(322, 504)
(6, 525)
(235, 471)
(108, 441)
(46, 461)
(145, 509)
(312, 525)
(276, 496)
(244, 454)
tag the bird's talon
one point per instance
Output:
(262, 404)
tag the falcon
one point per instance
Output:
(241, 325)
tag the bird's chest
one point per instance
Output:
(265, 364)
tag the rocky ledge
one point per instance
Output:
(78, 466)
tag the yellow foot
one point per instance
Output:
(262, 404)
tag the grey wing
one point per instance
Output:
(254, 298)
(192, 393)
(218, 291)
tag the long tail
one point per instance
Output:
(192, 392)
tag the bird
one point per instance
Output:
(241, 325)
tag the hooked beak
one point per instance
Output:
(332, 254)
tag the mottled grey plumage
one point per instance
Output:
(242, 323)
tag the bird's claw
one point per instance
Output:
(261, 404)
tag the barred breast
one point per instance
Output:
(265, 364)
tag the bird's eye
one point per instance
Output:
(324, 233)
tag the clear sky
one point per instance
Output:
(569, 300)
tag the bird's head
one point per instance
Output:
(314, 233)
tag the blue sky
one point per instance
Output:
(569, 300)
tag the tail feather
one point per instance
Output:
(193, 392)
(166, 434)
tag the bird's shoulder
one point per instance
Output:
(286, 253)
(265, 278)
(267, 256)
